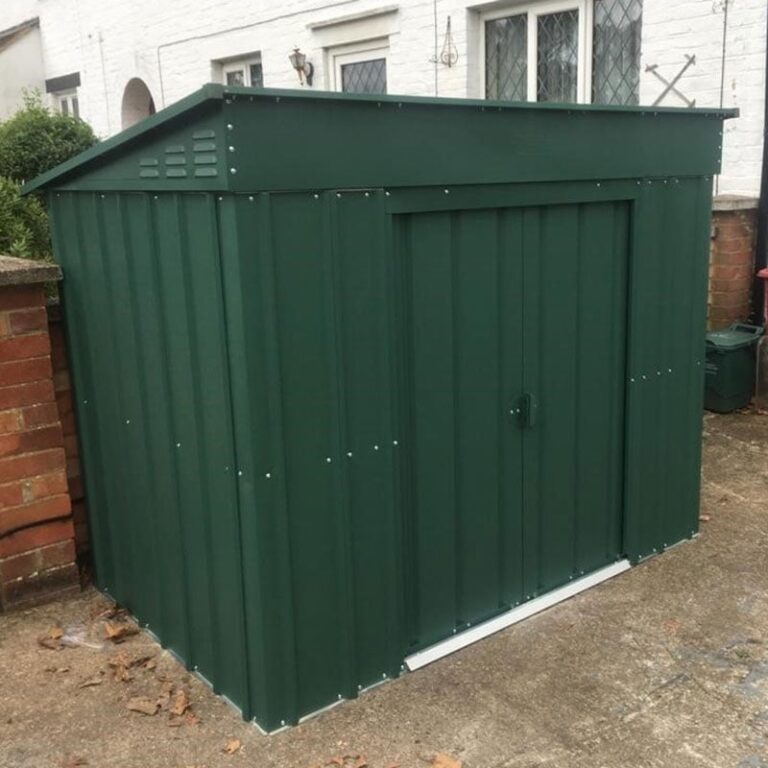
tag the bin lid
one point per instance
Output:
(738, 335)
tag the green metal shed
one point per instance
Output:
(363, 379)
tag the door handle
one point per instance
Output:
(528, 408)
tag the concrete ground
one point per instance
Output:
(665, 666)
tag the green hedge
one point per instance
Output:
(36, 139)
(33, 141)
(23, 224)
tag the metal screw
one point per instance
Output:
(383, 675)
(178, 445)
(233, 170)
(328, 459)
(387, 194)
(359, 687)
(230, 126)
(670, 370)
(220, 198)
(250, 198)
(268, 475)
(282, 722)
(338, 194)
(632, 380)
(85, 402)
(349, 454)
(367, 194)
(240, 473)
(338, 697)
(127, 421)
(394, 442)
(231, 148)
(375, 447)
(598, 183)
(447, 191)
(316, 196)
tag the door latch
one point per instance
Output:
(528, 408)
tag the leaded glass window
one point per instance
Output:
(364, 76)
(616, 51)
(557, 59)
(506, 58)
(538, 52)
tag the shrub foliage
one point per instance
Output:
(33, 141)
(23, 224)
(36, 139)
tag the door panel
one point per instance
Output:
(462, 322)
(575, 316)
(498, 304)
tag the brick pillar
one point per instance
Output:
(37, 550)
(731, 260)
(63, 387)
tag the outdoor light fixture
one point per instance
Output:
(302, 66)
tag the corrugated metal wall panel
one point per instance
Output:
(664, 396)
(146, 278)
(303, 443)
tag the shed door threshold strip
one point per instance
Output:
(532, 607)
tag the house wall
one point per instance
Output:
(21, 68)
(174, 46)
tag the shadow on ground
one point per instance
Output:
(663, 667)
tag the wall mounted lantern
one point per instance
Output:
(302, 66)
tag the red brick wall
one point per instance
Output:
(732, 261)
(65, 404)
(37, 551)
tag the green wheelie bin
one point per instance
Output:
(730, 367)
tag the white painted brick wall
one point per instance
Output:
(111, 42)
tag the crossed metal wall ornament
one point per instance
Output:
(671, 85)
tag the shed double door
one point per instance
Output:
(513, 331)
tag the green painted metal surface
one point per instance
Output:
(342, 404)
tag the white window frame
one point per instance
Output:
(356, 53)
(533, 11)
(69, 95)
(240, 65)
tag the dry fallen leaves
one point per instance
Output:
(117, 631)
(143, 705)
(672, 626)
(232, 746)
(441, 760)
(180, 703)
(52, 641)
(91, 681)
(73, 762)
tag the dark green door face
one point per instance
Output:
(512, 325)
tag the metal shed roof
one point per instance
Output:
(236, 139)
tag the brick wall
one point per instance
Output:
(37, 550)
(732, 260)
(64, 402)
